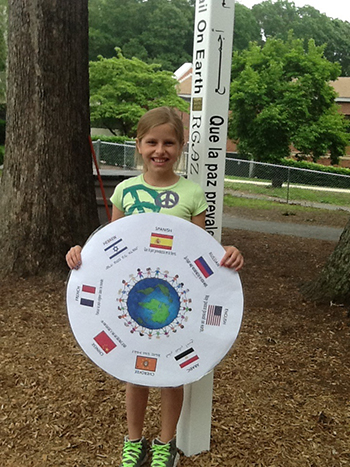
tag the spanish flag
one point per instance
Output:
(164, 242)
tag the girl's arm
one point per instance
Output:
(73, 257)
(116, 214)
(199, 220)
(232, 257)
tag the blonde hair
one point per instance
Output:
(156, 117)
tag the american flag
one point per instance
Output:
(214, 315)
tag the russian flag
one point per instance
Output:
(203, 266)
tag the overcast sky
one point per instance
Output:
(332, 8)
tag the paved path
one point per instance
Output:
(283, 228)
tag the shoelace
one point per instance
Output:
(131, 452)
(160, 454)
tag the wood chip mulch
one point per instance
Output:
(281, 396)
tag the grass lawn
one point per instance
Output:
(309, 194)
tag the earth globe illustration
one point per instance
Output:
(153, 303)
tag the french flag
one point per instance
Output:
(88, 295)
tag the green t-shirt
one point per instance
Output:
(185, 199)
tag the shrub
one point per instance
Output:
(111, 139)
(314, 166)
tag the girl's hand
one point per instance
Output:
(232, 258)
(73, 257)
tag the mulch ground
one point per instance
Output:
(281, 396)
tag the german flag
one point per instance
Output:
(164, 242)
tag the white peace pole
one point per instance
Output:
(211, 73)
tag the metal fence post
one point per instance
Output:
(251, 168)
(288, 184)
(97, 151)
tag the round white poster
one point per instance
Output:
(150, 304)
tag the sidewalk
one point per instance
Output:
(282, 228)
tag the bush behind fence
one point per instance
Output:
(115, 154)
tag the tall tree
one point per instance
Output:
(246, 28)
(158, 31)
(47, 200)
(277, 18)
(281, 96)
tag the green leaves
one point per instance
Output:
(154, 30)
(281, 96)
(122, 90)
(277, 18)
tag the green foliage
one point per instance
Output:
(158, 31)
(161, 31)
(246, 28)
(314, 166)
(277, 18)
(280, 95)
(122, 90)
(2, 154)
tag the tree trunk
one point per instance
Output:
(47, 197)
(333, 283)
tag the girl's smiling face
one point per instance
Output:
(160, 149)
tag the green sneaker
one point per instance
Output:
(164, 455)
(134, 453)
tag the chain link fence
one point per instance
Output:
(249, 178)
(289, 184)
(114, 154)
(122, 156)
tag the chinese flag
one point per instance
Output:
(105, 342)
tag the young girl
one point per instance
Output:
(160, 139)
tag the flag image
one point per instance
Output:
(88, 289)
(214, 315)
(203, 266)
(186, 358)
(87, 298)
(115, 249)
(146, 363)
(105, 342)
(164, 242)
